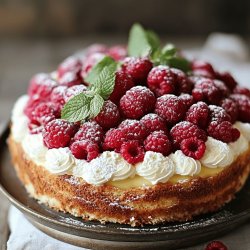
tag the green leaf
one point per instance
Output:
(77, 108)
(153, 40)
(168, 50)
(179, 63)
(96, 70)
(96, 105)
(138, 44)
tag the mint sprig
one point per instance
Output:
(88, 104)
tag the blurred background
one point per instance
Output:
(35, 35)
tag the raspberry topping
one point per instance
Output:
(193, 147)
(185, 130)
(243, 105)
(202, 68)
(70, 64)
(182, 82)
(30, 106)
(153, 122)
(117, 52)
(223, 131)
(89, 131)
(218, 114)
(158, 142)
(70, 79)
(123, 82)
(137, 102)
(161, 80)
(96, 48)
(58, 133)
(170, 108)
(57, 95)
(132, 152)
(198, 114)
(216, 245)
(231, 107)
(114, 139)
(227, 79)
(109, 116)
(242, 91)
(73, 91)
(187, 100)
(138, 68)
(85, 149)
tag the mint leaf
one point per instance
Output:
(153, 40)
(138, 43)
(168, 50)
(77, 108)
(179, 63)
(96, 70)
(96, 105)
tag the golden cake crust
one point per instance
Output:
(136, 206)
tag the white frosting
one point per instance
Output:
(244, 128)
(156, 168)
(185, 165)
(59, 160)
(17, 111)
(19, 128)
(240, 146)
(34, 147)
(217, 154)
(78, 169)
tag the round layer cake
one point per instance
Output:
(137, 135)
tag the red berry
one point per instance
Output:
(185, 130)
(206, 90)
(132, 152)
(73, 91)
(187, 100)
(231, 107)
(216, 245)
(202, 68)
(58, 133)
(96, 48)
(123, 82)
(218, 114)
(228, 79)
(30, 106)
(193, 147)
(35, 128)
(109, 116)
(89, 131)
(242, 91)
(118, 52)
(158, 142)
(161, 80)
(137, 101)
(70, 79)
(41, 86)
(153, 122)
(85, 149)
(133, 130)
(223, 131)
(57, 95)
(243, 105)
(222, 87)
(170, 108)
(198, 114)
(182, 82)
(70, 64)
(138, 68)
(114, 139)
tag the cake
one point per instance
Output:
(134, 135)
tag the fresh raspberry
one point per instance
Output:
(132, 152)
(158, 142)
(114, 139)
(222, 87)
(185, 130)
(198, 114)
(109, 116)
(85, 149)
(41, 86)
(218, 114)
(244, 106)
(170, 108)
(138, 68)
(137, 102)
(44, 113)
(70, 79)
(231, 107)
(204, 69)
(193, 147)
(206, 90)
(123, 82)
(30, 106)
(227, 78)
(70, 64)
(57, 95)
(216, 245)
(161, 80)
(182, 82)
(118, 52)
(187, 100)
(73, 91)
(35, 128)
(133, 130)
(153, 122)
(242, 91)
(89, 62)
(89, 131)
(96, 48)
(58, 133)
(223, 131)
